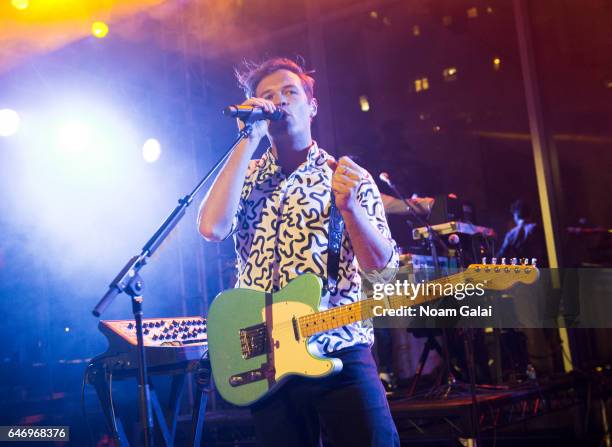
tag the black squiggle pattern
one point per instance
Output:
(280, 232)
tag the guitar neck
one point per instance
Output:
(362, 310)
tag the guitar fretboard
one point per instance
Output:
(362, 310)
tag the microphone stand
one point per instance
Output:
(129, 281)
(469, 336)
(432, 236)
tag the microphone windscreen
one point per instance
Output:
(230, 111)
(383, 176)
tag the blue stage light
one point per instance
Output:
(9, 122)
(151, 150)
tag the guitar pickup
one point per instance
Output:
(253, 341)
(246, 377)
(296, 329)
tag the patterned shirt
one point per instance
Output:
(281, 231)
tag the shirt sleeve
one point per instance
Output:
(370, 200)
(247, 187)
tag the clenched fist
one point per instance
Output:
(347, 177)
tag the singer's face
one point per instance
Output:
(284, 88)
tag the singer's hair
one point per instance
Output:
(252, 74)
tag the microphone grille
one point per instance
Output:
(383, 176)
(230, 111)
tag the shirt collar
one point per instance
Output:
(315, 159)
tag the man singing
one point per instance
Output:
(278, 210)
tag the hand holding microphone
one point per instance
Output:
(257, 112)
(249, 113)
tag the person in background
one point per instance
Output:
(525, 239)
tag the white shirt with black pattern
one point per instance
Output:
(280, 232)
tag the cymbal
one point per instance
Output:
(393, 205)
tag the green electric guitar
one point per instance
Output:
(257, 341)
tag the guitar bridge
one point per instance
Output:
(253, 341)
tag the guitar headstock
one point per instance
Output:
(502, 276)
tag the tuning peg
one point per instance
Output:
(503, 261)
(513, 261)
(534, 262)
(484, 260)
(526, 261)
(494, 261)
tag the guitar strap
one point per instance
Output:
(269, 368)
(334, 245)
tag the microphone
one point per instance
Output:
(252, 114)
(414, 208)
(384, 177)
(413, 205)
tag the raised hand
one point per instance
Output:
(347, 177)
(260, 128)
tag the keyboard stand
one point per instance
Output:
(99, 378)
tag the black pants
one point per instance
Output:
(349, 408)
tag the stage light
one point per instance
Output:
(9, 122)
(85, 150)
(496, 63)
(151, 150)
(364, 103)
(450, 74)
(74, 137)
(99, 29)
(20, 4)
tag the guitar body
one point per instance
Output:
(251, 358)
(256, 341)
